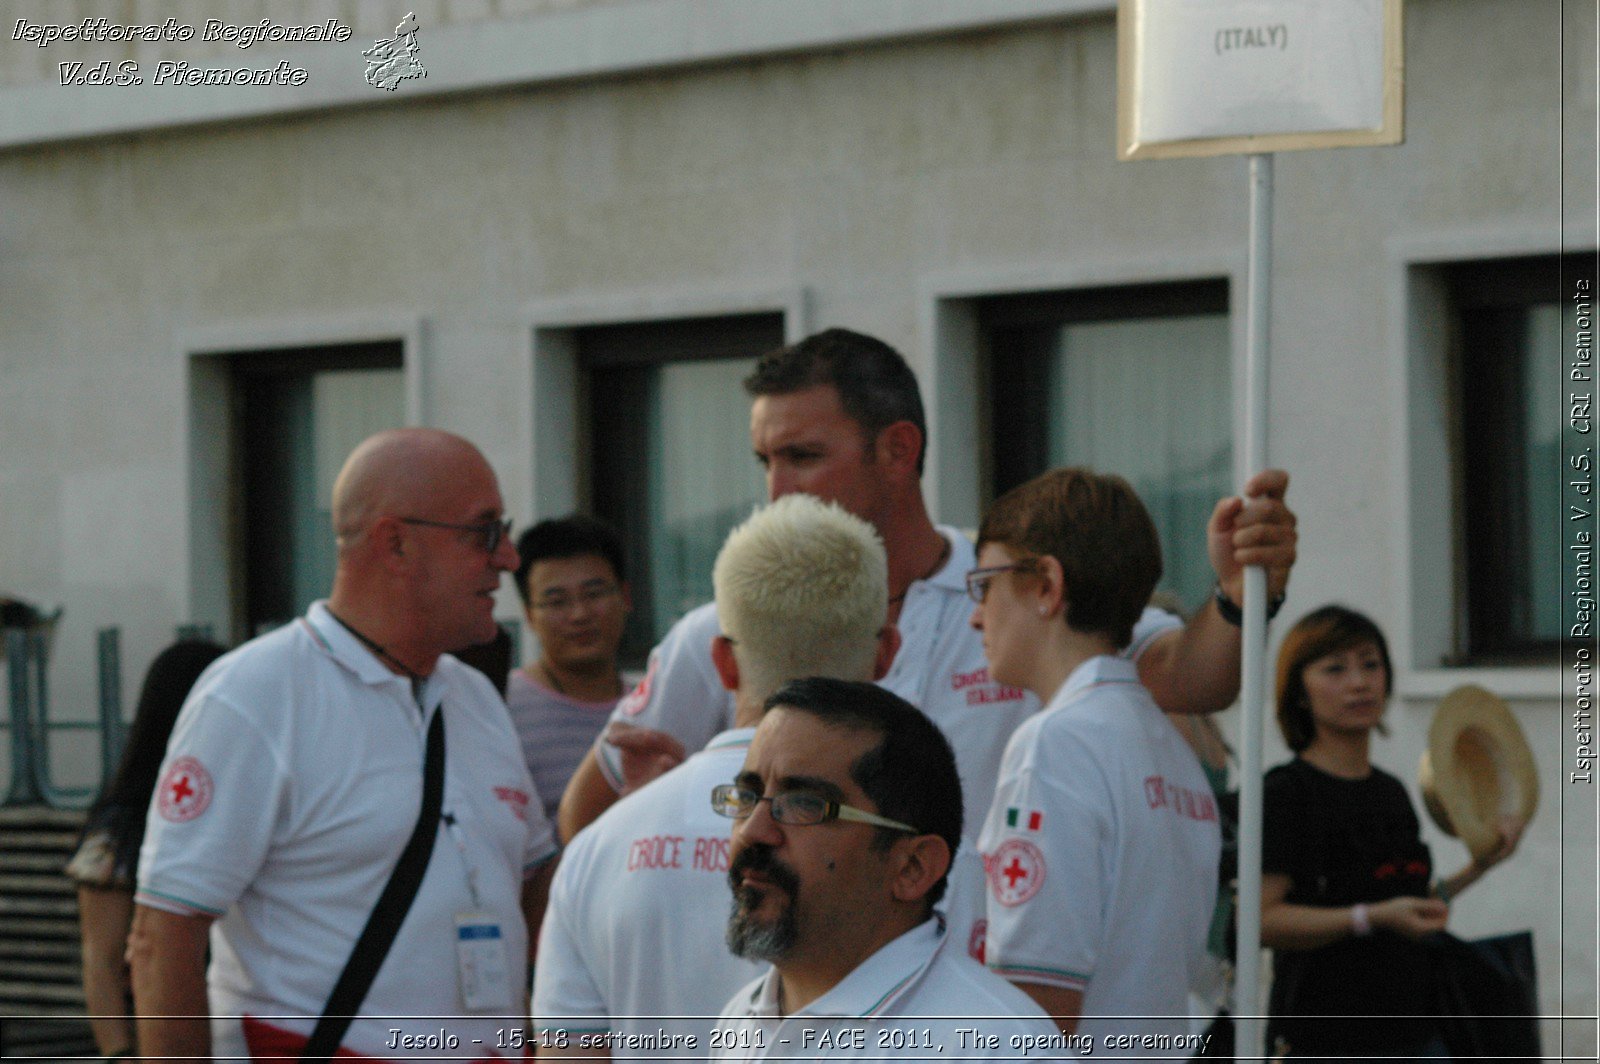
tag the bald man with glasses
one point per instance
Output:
(344, 759)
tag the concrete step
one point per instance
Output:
(62, 973)
(35, 927)
(19, 948)
(15, 992)
(67, 908)
(55, 885)
(37, 841)
(23, 862)
(41, 816)
(41, 996)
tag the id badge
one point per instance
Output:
(481, 963)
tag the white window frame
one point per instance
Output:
(1424, 502)
(552, 429)
(204, 432)
(951, 378)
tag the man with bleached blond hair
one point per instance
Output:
(634, 931)
(795, 597)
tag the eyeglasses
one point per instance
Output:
(490, 533)
(978, 579)
(795, 808)
(561, 602)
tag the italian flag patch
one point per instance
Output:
(1017, 817)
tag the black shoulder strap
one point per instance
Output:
(393, 904)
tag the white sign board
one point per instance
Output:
(1219, 77)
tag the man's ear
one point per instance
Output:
(726, 664)
(625, 589)
(898, 445)
(888, 647)
(386, 538)
(923, 861)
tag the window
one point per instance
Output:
(1131, 380)
(1506, 321)
(299, 415)
(669, 428)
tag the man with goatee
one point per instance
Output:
(847, 814)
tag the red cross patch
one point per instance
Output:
(1016, 871)
(634, 702)
(184, 791)
(978, 940)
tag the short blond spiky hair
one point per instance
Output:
(802, 590)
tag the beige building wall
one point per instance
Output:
(879, 185)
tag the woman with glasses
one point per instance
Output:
(1102, 843)
(1345, 895)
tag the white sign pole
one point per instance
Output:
(1250, 1033)
(1253, 77)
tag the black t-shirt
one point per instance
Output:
(1342, 842)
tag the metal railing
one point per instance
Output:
(29, 724)
(27, 658)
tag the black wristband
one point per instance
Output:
(1231, 612)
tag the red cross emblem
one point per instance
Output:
(978, 940)
(1016, 871)
(634, 702)
(184, 791)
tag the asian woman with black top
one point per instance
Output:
(1348, 900)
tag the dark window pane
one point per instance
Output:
(1512, 322)
(670, 446)
(1131, 380)
(300, 413)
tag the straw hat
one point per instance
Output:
(1477, 768)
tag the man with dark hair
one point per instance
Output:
(848, 812)
(908, 774)
(572, 536)
(876, 388)
(576, 600)
(838, 416)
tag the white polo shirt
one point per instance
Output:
(1101, 851)
(658, 859)
(940, 669)
(633, 935)
(292, 782)
(911, 1000)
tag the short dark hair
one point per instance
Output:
(875, 386)
(1096, 527)
(567, 537)
(1325, 630)
(910, 775)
